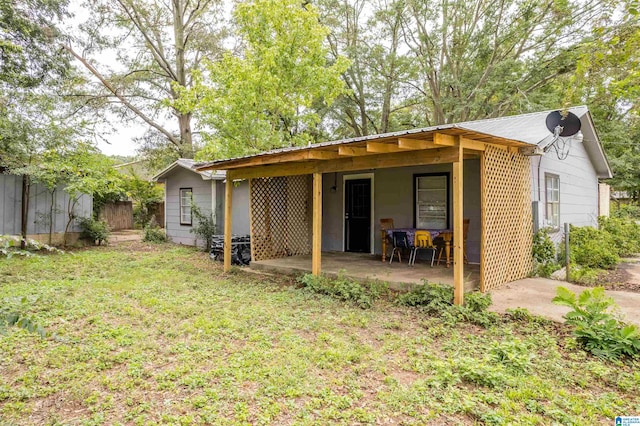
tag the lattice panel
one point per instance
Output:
(280, 217)
(507, 228)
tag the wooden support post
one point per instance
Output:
(228, 199)
(316, 246)
(483, 220)
(458, 237)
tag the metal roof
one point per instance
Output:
(527, 129)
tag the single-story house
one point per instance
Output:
(184, 185)
(308, 202)
(48, 211)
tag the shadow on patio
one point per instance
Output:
(360, 266)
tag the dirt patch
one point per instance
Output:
(626, 277)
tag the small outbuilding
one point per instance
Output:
(183, 185)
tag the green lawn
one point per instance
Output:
(157, 334)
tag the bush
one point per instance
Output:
(153, 233)
(205, 226)
(10, 246)
(544, 254)
(625, 234)
(96, 231)
(342, 288)
(595, 328)
(592, 248)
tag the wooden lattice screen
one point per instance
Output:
(507, 228)
(280, 217)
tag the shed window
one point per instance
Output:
(186, 197)
(552, 215)
(431, 195)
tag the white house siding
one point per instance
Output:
(578, 187)
(39, 208)
(182, 178)
(393, 198)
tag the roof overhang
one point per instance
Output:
(187, 165)
(420, 146)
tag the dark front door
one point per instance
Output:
(357, 215)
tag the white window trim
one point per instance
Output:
(345, 178)
(190, 223)
(547, 219)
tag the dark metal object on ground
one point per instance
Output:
(240, 249)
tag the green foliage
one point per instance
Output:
(96, 231)
(625, 211)
(437, 299)
(544, 254)
(595, 328)
(12, 314)
(266, 97)
(205, 226)
(592, 248)
(513, 354)
(144, 194)
(10, 246)
(153, 233)
(345, 289)
(625, 233)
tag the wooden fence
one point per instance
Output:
(157, 210)
(118, 215)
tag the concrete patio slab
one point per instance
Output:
(399, 276)
(535, 294)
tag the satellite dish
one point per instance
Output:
(563, 123)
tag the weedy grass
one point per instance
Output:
(147, 333)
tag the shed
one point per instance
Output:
(309, 203)
(206, 189)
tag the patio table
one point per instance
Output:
(446, 234)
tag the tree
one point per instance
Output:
(159, 45)
(265, 97)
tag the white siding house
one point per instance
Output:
(206, 189)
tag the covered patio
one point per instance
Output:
(368, 267)
(287, 209)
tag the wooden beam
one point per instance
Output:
(458, 226)
(316, 244)
(377, 161)
(381, 148)
(351, 151)
(323, 155)
(228, 215)
(405, 143)
(472, 144)
(445, 140)
(483, 219)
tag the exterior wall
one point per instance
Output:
(182, 178)
(39, 208)
(208, 195)
(394, 198)
(604, 199)
(578, 187)
(240, 207)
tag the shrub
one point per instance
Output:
(205, 226)
(342, 288)
(429, 296)
(625, 234)
(96, 231)
(593, 248)
(153, 233)
(10, 246)
(595, 328)
(544, 254)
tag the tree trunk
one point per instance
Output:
(24, 214)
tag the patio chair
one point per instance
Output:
(422, 241)
(400, 243)
(465, 232)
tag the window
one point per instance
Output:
(431, 194)
(552, 213)
(186, 196)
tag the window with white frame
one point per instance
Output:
(186, 197)
(431, 195)
(552, 206)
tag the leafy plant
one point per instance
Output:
(11, 314)
(513, 354)
(593, 248)
(153, 233)
(544, 254)
(595, 328)
(345, 289)
(10, 246)
(205, 226)
(430, 297)
(96, 231)
(625, 233)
